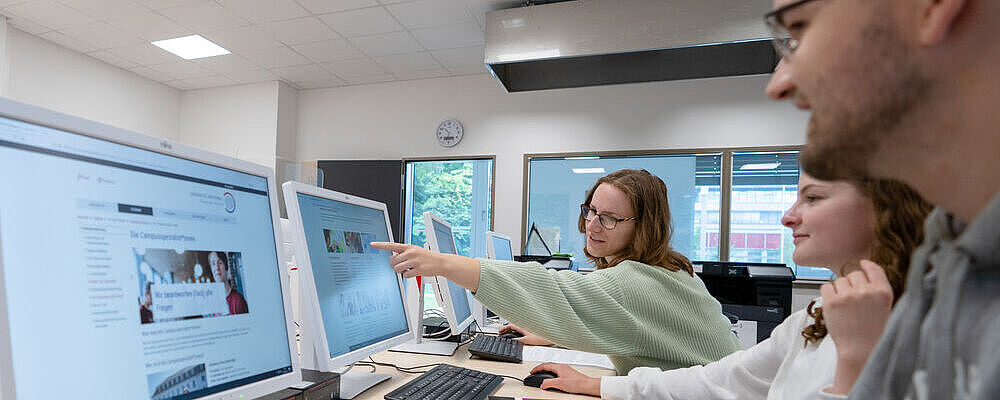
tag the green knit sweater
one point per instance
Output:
(637, 314)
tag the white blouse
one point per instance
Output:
(781, 367)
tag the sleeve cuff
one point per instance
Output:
(823, 394)
(615, 387)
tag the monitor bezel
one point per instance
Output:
(440, 283)
(307, 288)
(491, 252)
(75, 125)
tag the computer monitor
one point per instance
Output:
(498, 247)
(133, 267)
(353, 301)
(454, 299)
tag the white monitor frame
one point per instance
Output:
(51, 119)
(311, 314)
(491, 252)
(440, 283)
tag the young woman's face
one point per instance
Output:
(609, 243)
(832, 224)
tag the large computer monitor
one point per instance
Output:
(454, 299)
(498, 246)
(353, 301)
(136, 268)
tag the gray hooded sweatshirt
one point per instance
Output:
(943, 338)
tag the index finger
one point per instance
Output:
(393, 247)
(876, 274)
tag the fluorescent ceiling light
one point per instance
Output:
(529, 55)
(191, 47)
(760, 166)
(582, 158)
(588, 170)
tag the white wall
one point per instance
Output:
(238, 121)
(395, 120)
(51, 76)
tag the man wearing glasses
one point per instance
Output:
(908, 89)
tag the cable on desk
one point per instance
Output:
(406, 370)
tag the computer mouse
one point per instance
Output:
(511, 335)
(536, 379)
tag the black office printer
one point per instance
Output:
(759, 292)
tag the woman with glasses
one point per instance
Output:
(642, 307)
(836, 225)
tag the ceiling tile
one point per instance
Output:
(150, 26)
(253, 76)
(49, 14)
(469, 70)
(392, 1)
(328, 6)
(227, 64)
(463, 57)
(102, 36)
(258, 11)
(67, 41)
(242, 39)
(209, 82)
(112, 59)
(204, 17)
(366, 21)
(449, 37)
(388, 44)
(408, 62)
(27, 26)
(355, 68)
(330, 50)
(5, 3)
(370, 79)
(144, 54)
(430, 13)
(326, 83)
(145, 72)
(276, 57)
(182, 70)
(180, 85)
(106, 9)
(425, 74)
(162, 4)
(303, 73)
(301, 30)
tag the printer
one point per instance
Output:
(760, 293)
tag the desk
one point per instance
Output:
(509, 388)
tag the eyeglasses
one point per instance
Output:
(786, 25)
(607, 221)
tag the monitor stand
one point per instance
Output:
(432, 347)
(352, 383)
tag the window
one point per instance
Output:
(763, 185)
(558, 185)
(461, 192)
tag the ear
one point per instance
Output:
(938, 18)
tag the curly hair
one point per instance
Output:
(651, 243)
(899, 228)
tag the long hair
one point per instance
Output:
(899, 214)
(651, 243)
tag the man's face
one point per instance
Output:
(220, 271)
(856, 75)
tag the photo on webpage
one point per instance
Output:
(178, 285)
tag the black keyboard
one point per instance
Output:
(448, 382)
(497, 348)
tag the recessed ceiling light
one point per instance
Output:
(191, 47)
(760, 166)
(588, 170)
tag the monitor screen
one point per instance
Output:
(359, 294)
(501, 249)
(459, 298)
(141, 274)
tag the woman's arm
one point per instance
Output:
(411, 261)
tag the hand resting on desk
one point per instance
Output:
(568, 379)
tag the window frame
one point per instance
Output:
(493, 184)
(725, 186)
